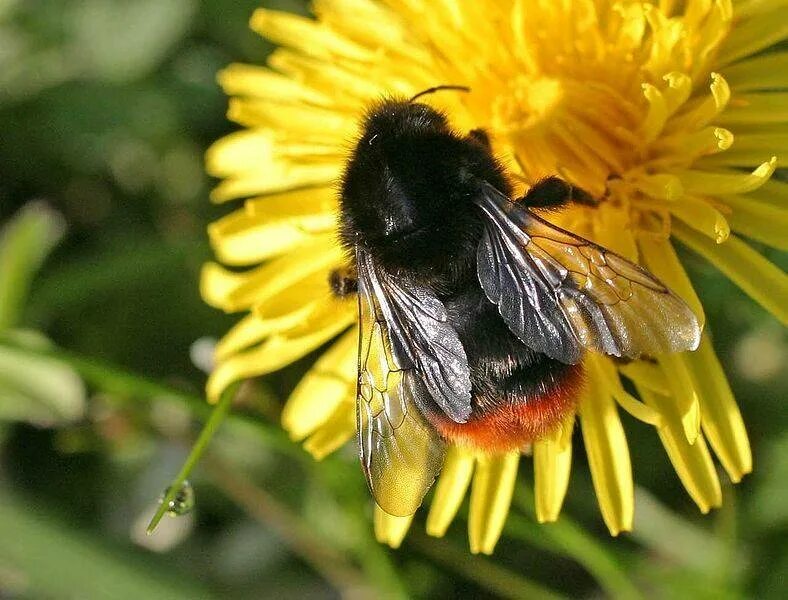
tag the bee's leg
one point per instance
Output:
(554, 192)
(480, 136)
(343, 282)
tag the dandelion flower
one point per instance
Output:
(669, 112)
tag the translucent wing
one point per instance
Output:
(410, 359)
(419, 335)
(561, 294)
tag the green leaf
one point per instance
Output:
(122, 41)
(24, 244)
(38, 389)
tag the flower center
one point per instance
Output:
(527, 103)
(580, 129)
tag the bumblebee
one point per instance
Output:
(474, 311)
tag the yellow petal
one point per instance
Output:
(756, 107)
(701, 111)
(683, 146)
(390, 530)
(646, 374)
(678, 90)
(765, 72)
(353, 18)
(763, 281)
(762, 222)
(749, 150)
(351, 90)
(240, 239)
(682, 393)
(692, 462)
(725, 182)
(720, 416)
(258, 285)
(330, 381)
(294, 203)
(450, 490)
(606, 376)
(276, 176)
(217, 283)
(552, 466)
(262, 82)
(772, 192)
(754, 34)
(296, 121)
(656, 116)
(239, 152)
(661, 186)
(491, 495)
(306, 35)
(289, 306)
(701, 216)
(748, 8)
(248, 331)
(277, 314)
(660, 258)
(608, 459)
(335, 431)
(281, 350)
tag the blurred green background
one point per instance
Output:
(106, 109)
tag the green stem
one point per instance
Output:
(217, 417)
(567, 538)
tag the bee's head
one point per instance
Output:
(396, 118)
(401, 183)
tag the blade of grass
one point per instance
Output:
(24, 244)
(218, 415)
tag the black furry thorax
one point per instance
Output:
(407, 193)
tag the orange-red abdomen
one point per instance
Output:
(505, 424)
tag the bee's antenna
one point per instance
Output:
(438, 88)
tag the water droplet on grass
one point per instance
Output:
(182, 503)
